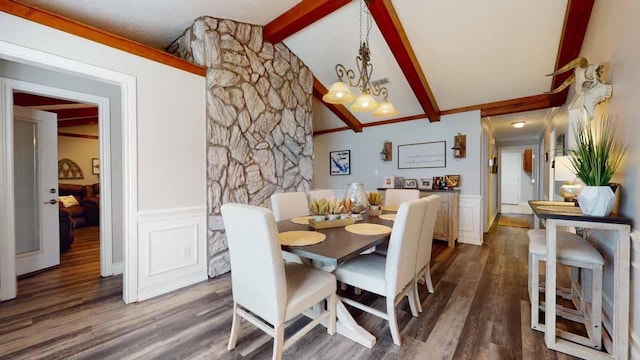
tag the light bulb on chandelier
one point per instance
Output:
(339, 92)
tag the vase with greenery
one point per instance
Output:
(596, 157)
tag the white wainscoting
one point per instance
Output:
(635, 295)
(601, 241)
(172, 249)
(470, 220)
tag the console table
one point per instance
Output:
(446, 227)
(557, 214)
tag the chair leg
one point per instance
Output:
(411, 298)
(596, 307)
(235, 328)
(427, 279)
(535, 292)
(417, 295)
(278, 342)
(393, 322)
(332, 303)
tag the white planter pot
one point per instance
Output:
(596, 200)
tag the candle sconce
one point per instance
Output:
(386, 153)
(459, 146)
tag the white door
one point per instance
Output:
(510, 179)
(35, 162)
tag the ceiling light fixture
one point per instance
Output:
(339, 92)
(518, 124)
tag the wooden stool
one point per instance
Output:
(574, 251)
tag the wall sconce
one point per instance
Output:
(459, 146)
(386, 153)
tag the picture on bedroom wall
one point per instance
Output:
(340, 162)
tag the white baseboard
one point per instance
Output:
(117, 268)
(470, 220)
(172, 249)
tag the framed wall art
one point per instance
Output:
(422, 155)
(410, 183)
(425, 184)
(340, 162)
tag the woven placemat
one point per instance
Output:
(368, 229)
(391, 217)
(562, 209)
(390, 208)
(301, 220)
(300, 238)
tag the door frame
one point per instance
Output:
(127, 84)
(534, 145)
(104, 140)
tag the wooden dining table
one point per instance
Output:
(339, 247)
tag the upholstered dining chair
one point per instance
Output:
(391, 276)
(268, 292)
(423, 260)
(395, 197)
(289, 205)
(322, 194)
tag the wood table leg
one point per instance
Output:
(347, 326)
(621, 294)
(550, 284)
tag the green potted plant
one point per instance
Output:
(595, 159)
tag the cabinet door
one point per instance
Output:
(527, 161)
(441, 229)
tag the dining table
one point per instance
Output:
(338, 247)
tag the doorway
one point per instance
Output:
(19, 124)
(517, 179)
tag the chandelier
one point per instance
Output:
(339, 92)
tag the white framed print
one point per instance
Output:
(389, 182)
(425, 184)
(340, 162)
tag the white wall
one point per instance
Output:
(81, 151)
(366, 166)
(610, 38)
(366, 146)
(171, 130)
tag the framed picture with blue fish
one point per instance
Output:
(340, 162)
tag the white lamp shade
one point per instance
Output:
(364, 103)
(564, 170)
(339, 93)
(385, 109)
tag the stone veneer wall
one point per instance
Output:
(259, 126)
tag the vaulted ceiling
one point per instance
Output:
(440, 57)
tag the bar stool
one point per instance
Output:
(574, 251)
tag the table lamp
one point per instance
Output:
(564, 171)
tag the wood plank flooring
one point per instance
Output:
(480, 310)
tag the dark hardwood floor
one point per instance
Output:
(480, 310)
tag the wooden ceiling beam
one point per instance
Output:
(25, 99)
(576, 20)
(339, 110)
(64, 114)
(298, 17)
(391, 28)
(85, 31)
(77, 122)
(528, 103)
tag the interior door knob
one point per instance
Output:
(52, 202)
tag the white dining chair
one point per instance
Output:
(423, 260)
(322, 194)
(266, 291)
(391, 276)
(288, 205)
(395, 197)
